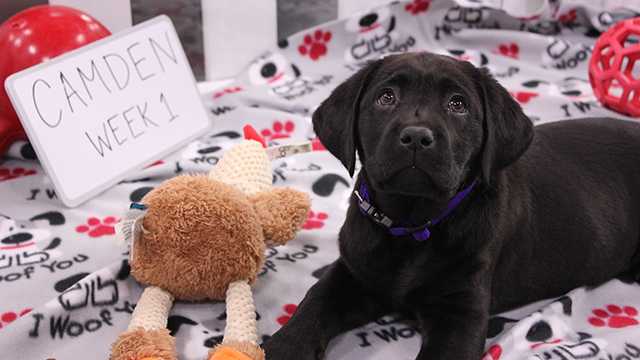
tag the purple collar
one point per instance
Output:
(420, 233)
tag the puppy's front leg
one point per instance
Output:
(456, 328)
(335, 304)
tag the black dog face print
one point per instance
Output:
(272, 69)
(567, 328)
(281, 76)
(65, 287)
(374, 33)
(25, 243)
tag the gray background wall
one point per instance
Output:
(293, 16)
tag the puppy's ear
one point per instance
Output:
(335, 120)
(508, 131)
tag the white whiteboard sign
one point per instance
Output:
(96, 114)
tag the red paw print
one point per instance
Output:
(229, 90)
(523, 97)
(511, 50)
(8, 174)
(316, 145)
(417, 6)
(614, 317)
(278, 130)
(96, 227)
(156, 163)
(493, 353)
(315, 220)
(289, 309)
(315, 46)
(569, 17)
(10, 316)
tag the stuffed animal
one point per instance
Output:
(199, 237)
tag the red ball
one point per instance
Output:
(32, 36)
(614, 72)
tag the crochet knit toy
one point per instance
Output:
(199, 237)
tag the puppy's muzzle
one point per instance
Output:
(417, 138)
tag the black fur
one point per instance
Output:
(336, 126)
(557, 207)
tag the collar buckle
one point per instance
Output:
(375, 215)
(421, 232)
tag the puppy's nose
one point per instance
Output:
(416, 137)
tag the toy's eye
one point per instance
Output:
(457, 104)
(387, 98)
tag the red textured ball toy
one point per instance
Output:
(614, 69)
(31, 37)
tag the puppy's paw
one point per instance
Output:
(281, 348)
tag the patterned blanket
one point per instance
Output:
(65, 289)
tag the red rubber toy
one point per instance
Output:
(614, 71)
(30, 37)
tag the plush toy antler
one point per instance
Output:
(202, 237)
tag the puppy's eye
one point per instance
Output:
(457, 104)
(386, 98)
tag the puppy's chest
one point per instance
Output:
(409, 277)
(396, 269)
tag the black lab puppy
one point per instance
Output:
(535, 212)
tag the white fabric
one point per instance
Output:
(75, 280)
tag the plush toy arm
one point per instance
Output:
(240, 340)
(282, 212)
(146, 337)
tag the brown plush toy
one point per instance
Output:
(199, 237)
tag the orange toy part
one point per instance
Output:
(251, 134)
(227, 353)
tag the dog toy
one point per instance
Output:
(612, 71)
(26, 40)
(203, 237)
